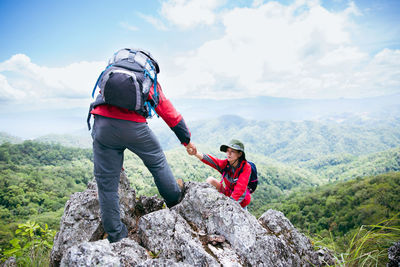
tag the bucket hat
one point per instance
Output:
(234, 144)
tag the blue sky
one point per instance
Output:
(52, 51)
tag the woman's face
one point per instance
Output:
(233, 155)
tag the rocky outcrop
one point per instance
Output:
(394, 255)
(205, 229)
(81, 220)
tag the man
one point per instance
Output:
(116, 129)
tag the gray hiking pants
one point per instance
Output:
(110, 138)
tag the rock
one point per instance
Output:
(277, 224)
(101, 253)
(215, 239)
(167, 235)
(214, 213)
(147, 205)
(10, 262)
(81, 220)
(205, 229)
(394, 255)
(163, 263)
(225, 255)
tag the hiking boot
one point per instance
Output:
(181, 184)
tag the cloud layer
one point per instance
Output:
(187, 14)
(301, 50)
(21, 79)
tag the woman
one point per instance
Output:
(235, 172)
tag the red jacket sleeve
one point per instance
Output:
(171, 116)
(216, 163)
(241, 185)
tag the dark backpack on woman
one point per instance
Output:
(253, 180)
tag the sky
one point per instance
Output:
(51, 52)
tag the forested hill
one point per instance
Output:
(343, 206)
(5, 137)
(346, 166)
(293, 142)
(285, 141)
(38, 154)
(36, 180)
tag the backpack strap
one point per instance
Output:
(99, 101)
(225, 169)
(98, 79)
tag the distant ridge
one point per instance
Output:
(40, 122)
(5, 137)
(289, 109)
(284, 141)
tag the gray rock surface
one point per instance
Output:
(81, 220)
(394, 255)
(169, 236)
(101, 253)
(10, 262)
(205, 229)
(300, 246)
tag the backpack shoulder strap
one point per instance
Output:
(243, 163)
(225, 169)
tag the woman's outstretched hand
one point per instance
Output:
(191, 149)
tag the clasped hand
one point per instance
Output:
(191, 149)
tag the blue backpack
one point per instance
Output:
(126, 82)
(253, 181)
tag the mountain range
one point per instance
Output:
(30, 122)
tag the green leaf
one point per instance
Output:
(15, 243)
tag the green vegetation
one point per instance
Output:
(294, 142)
(340, 208)
(368, 245)
(346, 167)
(32, 246)
(275, 178)
(36, 180)
(6, 138)
(328, 179)
(68, 140)
(284, 141)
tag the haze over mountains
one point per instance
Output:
(287, 109)
(29, 124)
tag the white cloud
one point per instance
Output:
(300, 50)
(128, 27)
(22, 79)
(157, 23)
(7, 92)
(342, 55)
(190, 13)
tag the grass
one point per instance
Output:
(368, 245)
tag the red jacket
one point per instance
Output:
(164, 109)
(235, 180)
